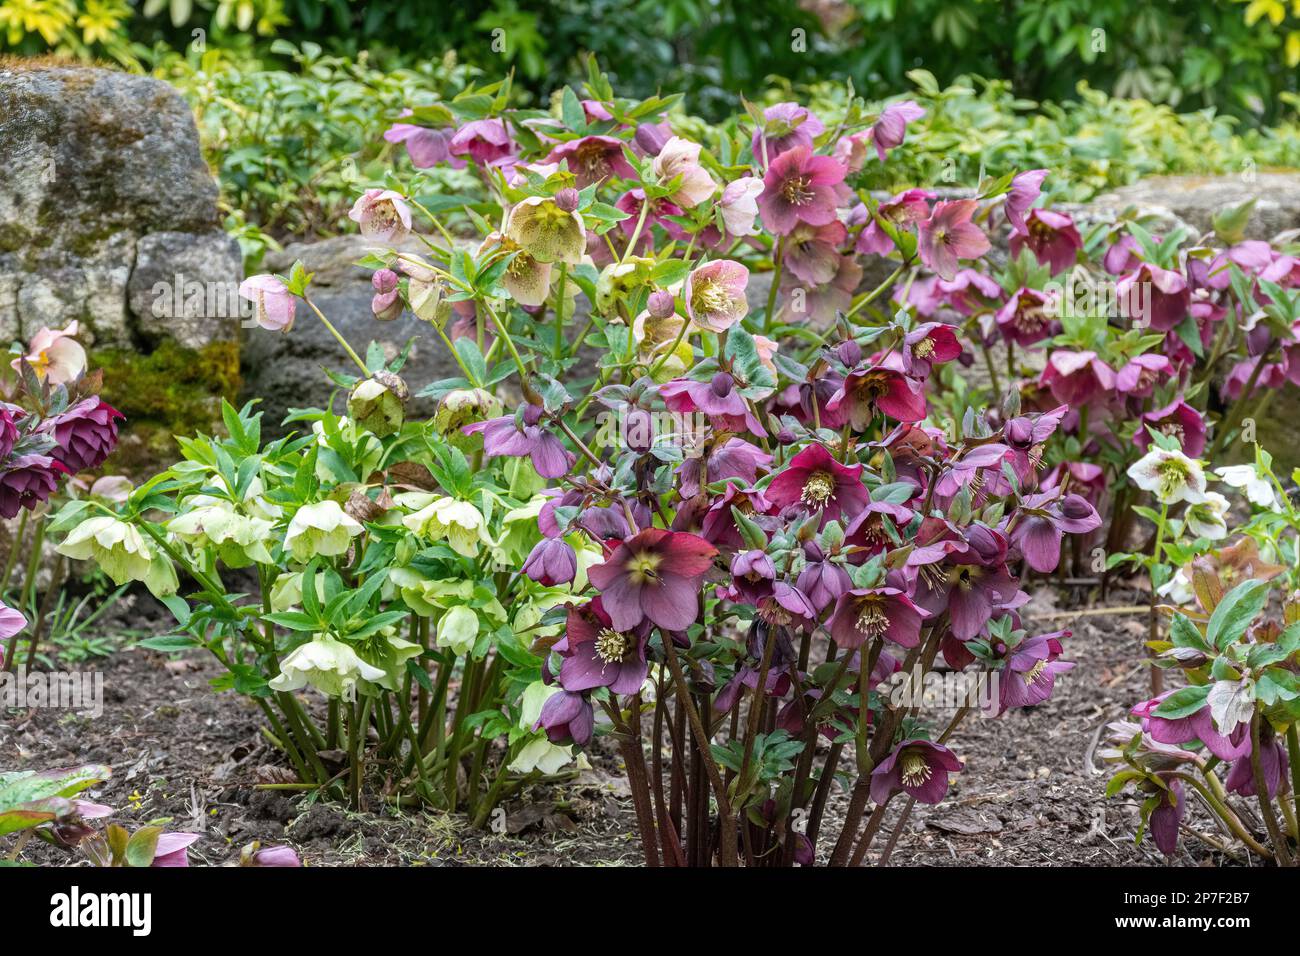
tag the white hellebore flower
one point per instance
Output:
(458, 629)
(329, 665)
(1206, 520)
(122, 552)
(1171, 475)
(320, 529)
(1258, 489)
(457, 521)
(239, 539)
(1178, 589)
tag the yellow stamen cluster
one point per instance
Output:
(915, 770)
(1031, 676)
(796, 190)
(819, 489)
(611, 646)
(872, 620)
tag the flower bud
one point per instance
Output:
(386, 304)
(849, 352)
(384, 280)
(567, 199)
(661, 305)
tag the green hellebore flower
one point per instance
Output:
(239, 540)
(321, 529)
(378, 403)
(329, 665)
(458, 630)
(459, 522)
(546, 232)
(122, 552)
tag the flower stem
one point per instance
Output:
(338, 337)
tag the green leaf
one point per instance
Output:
(143, 846)
(1235, 612)
(1182, 703)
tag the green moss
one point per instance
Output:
(171, 391)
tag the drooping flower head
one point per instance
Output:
(1177, 420)
(1025, 189)
(785, 126)
(485, 141)
(715, 294)
(680, 157)
(425, 146)
(907, 208)
(653, 576)
(522, 435)
(273, 303)
(55, 355)
(1050, 236)
(548, 232)
(890, 127)
(86, 433)
(382, 215)
(1028, 673)
(949, 236)
(919, 768)
(740, 206)
(865, 614)
(26, 481)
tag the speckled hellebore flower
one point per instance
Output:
(740, 206)
(26, 481)
(717, 398)
(382, 215)
(1045, 519)
(55, 356)
(1050, 236)
(877, 389)
(1170, 475)
(949, 236)
(864, 614)
(86, 433)
(520, 436)
(321, 529)
(546, 231)
(1025, 189)
(1027, 317)
(812, 252)
(593, 159)
(800, 187)
(273, 303)
(596, 654)
(1028, 673)
(653, 576)
(715, 294)
(1178, 420)
(326, 663)
(680, 157)
(890, 127)
(817, 482)
(919, 768)
(785, 125)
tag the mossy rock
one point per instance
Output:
(170, 391)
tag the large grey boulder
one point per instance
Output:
(108, 217)
(1196, 199)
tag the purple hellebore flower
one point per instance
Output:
(1051, 237)
(1140, 374)
(426, 147)
(8, 428)
(919, 768)
(598, 655)
(928, 344)
(1028, 673)
(785, 126)
(717, 398)
(890, 127)
(1025, 189)
(593, 159)
(815, 480)
(276, 856)
(812, 252)
(86, 434)
(868, 530)
(1272, 761)
(752, 575)
(865, 614)
(1198, 726)
(718, 526)
(876, 388)
(567, 716)
(551, 562)
(970, 291)
(908, 207)
(1027, 317)
(26, 481)
(171, 849)
(654, 576)
(519, 436)
(1044, 520)
(1179, 420)
(735, 458)
(968, 577)
(822, 580)
(1167, 816)
(1075, 378)
(486, 141)
(800, 187)
(949, 236)
(1160, 298)
(386, 303)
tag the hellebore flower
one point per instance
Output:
(519, 436)
(901, 211)
(273, 856)
(547, 232)
(1028, 673)
(718, 527)
(821, 580)
(1044, 520)
(593, 159)
(1140, 374)
(551, 562)
(567, 717)
(868, 529)
(821, 303)
(458, 629)
(240, 540)
(327, 664)
(386, 303)
(55, 356)
(596, 654)
(716, 398)
(1167, 816)
(377, 404)
(486, 141)
(323, 528)
(800, 187)
(919, 768)
(928, 344)
(968, 577)
(1025, 189)
(864, 614)
(1027, 317)
(171, 849)
(1177, 419)
(8, 428)
(459, 522)
(86, 433)
(815, 480)
(1075, 378)
(867, 391)
(426, 147)
(970, 291)
(1198, 726)
(785, 126)
(1272, 761)
(382, 215)
(26, 481)
(740, 206)
(654, 576)
(1170, 475)
(1159, 298)
(121, 552)
(715, 294)
(812, 253)
(1050, 236)
(273, 304)
(949, 236)
(891, 126)
(1258, 489)
(679, 157)
(1208, 519)
(752, 577)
